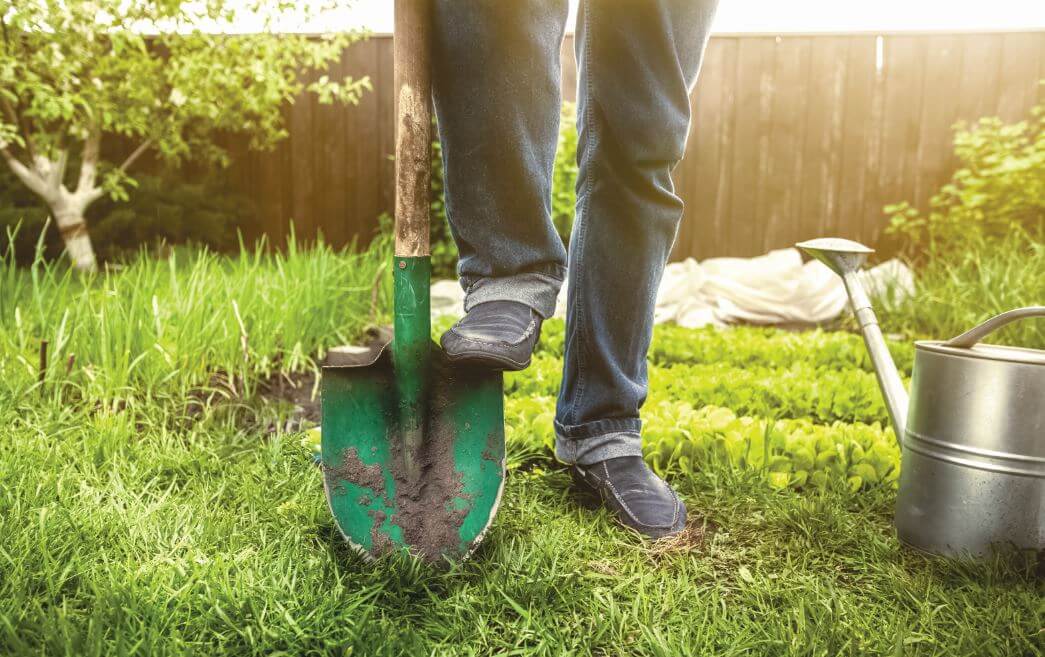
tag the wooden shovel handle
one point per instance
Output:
(413, 83)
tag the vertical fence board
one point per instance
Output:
(904, 72)
(942, 85)
(754, 56)
(823, 135)
(698, 177)
(569, 70)
(981, 76)
(859, 139)
(368, 145)
(386, 129)
(779, 198)
(1020, 65)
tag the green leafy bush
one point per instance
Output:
(169, 208)
(23, 218)
(166, 209)
(980, 248)
(999, 188)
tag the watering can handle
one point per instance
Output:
(974, 335)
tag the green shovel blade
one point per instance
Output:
(412, 448)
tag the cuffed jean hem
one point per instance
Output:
(587, 451)
(536, 290)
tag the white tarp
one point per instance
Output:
(776, 288)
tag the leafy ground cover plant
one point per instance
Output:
(680, 438)
(742, 346)
(796, 391)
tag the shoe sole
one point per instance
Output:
(488, 361)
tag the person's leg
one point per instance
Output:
(638, 61)
(496, 83)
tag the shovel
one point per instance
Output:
(412, 446)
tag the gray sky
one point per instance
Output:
(793, 15)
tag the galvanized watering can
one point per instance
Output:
(972, 433)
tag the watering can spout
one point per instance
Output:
(845, 257)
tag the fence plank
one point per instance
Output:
(904, 73)
(1020, 62)
(822, 143)
(941, 86)
(750, 121)
(569, 70)
(780, 196)
(859, 154)
(701, 178)
(981, 77)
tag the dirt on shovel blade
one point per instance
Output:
(424, 507)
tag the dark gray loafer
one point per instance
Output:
(499, 335)
(635, 494)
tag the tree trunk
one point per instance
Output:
(45, 175)
(77, 241)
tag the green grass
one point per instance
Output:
(956, 291)
(135, 521)
(164, 327)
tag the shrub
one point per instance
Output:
(182, 212)
(980, 249)
(998, 189)
(168, 208)
(23, 218)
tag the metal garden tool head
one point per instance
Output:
(842, 256)
(412, 447)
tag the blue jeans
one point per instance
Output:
(496, 80)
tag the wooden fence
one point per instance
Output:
(793, 136)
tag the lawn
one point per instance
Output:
(157, 497)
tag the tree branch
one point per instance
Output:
(144, 146)
(92, 148)
(29, 177)
(58, 167)
(7, 37)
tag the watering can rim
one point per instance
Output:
(969, 344)
(985, 351)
